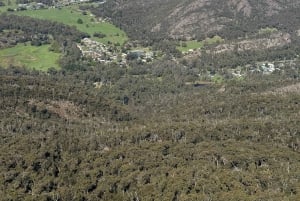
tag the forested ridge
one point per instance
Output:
(64, 139)
(218, 122)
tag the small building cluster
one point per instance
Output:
(140, 55)
(265, 68)
(63, 3)
(107, 54)
(32, 6)
(54, 4)
(100, 52)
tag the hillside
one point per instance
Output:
(62, 138)
(200, 102)
(199, 18)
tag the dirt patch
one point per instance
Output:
(64, 109)
(274, 40)
(31, 58)
(241, 6)
(294, 88)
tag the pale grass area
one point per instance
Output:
(294, 88)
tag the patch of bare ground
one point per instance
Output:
(64, 109)
(294, 88)
(241, 6)
(274, 40)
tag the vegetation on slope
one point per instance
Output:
(173, 129)
(137, 138)
(149, 20)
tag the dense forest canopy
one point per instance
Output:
(138, 138)
(219, 121)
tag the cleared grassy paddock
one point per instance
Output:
(70, 16)
(39, 58)
(185, 46)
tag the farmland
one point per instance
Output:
(87, 23)
(39, 58)
(185, 46)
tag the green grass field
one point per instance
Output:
(11, 5)
(70, 15)
(194, 44)
(39, 58)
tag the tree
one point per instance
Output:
(80, 21)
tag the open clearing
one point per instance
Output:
(185, 46)
(39, 58)
(70, 16)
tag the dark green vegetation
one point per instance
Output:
(148, 137)
(202, 126)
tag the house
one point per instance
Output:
(267, 68)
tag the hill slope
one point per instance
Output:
(198, 18)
